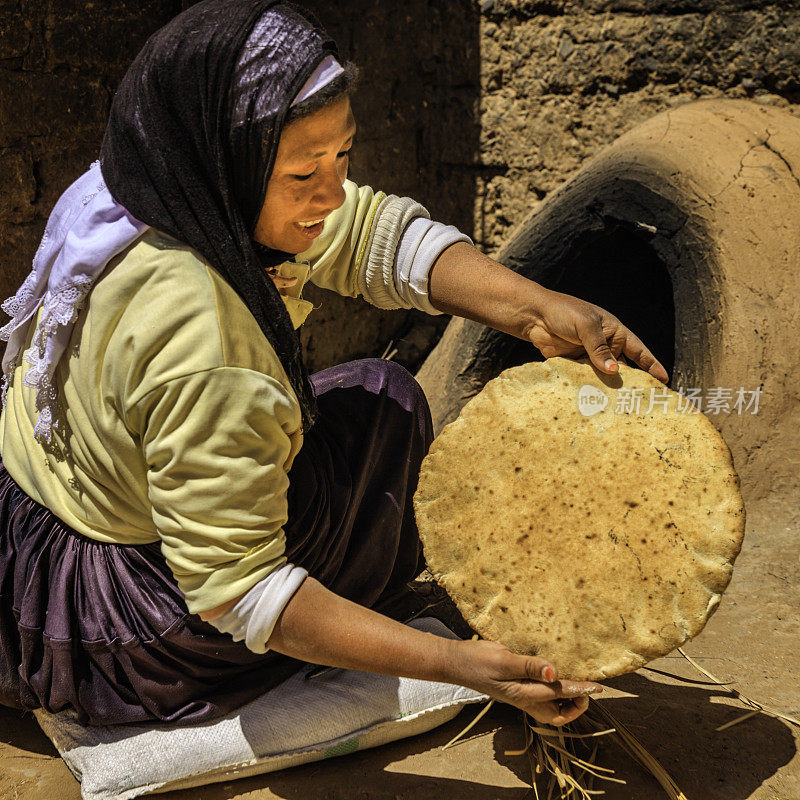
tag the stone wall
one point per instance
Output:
(560, 79)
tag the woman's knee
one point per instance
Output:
(398, 383)
(391, 373)
(377, 380)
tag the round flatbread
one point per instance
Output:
(591, 519)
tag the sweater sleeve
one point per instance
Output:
(380, 247)
(216, 445)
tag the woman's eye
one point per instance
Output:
(311, 174)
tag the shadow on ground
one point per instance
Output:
(677, 725)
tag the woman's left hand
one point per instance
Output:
(467, 283)
(564, 325)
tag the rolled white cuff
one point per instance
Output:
(376, 280)
(421, 244)
(255, 613)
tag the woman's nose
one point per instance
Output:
(330, 193)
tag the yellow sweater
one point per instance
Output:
(181, 424)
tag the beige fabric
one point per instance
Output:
(598, 540)
(376, 276)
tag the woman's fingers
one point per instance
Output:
(604, 337)
(635, 349)
(538, 669)
(569, 326)
(555, 713)
(572, 710)
(537, 692)
(570, 689)
(528, 682)
(536, 679)
(554, 703)
(601, 347)
(595, 342)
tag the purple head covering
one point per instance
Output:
(186, 151)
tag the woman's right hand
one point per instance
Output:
(527, 682)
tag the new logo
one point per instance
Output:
(591, 400)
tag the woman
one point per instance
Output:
(184, 513)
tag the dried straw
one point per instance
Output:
(469, 727)
(390, 352)
(758, 708)
(564, 758)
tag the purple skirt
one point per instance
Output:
(103, 628)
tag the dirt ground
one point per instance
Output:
(752, 639)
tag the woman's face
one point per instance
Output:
(306, 181)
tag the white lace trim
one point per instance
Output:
(59, 309)
(18, 305)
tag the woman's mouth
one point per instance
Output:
(310, 229)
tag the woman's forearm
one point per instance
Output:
(325, 628)
(319, 626)
(464, 282)
(467, 283)
(322, 627)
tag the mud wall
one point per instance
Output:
(560, 79)
(478, 108)
(60, 63)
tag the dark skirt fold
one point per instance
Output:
(103, 628)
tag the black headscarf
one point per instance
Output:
(192, 138)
